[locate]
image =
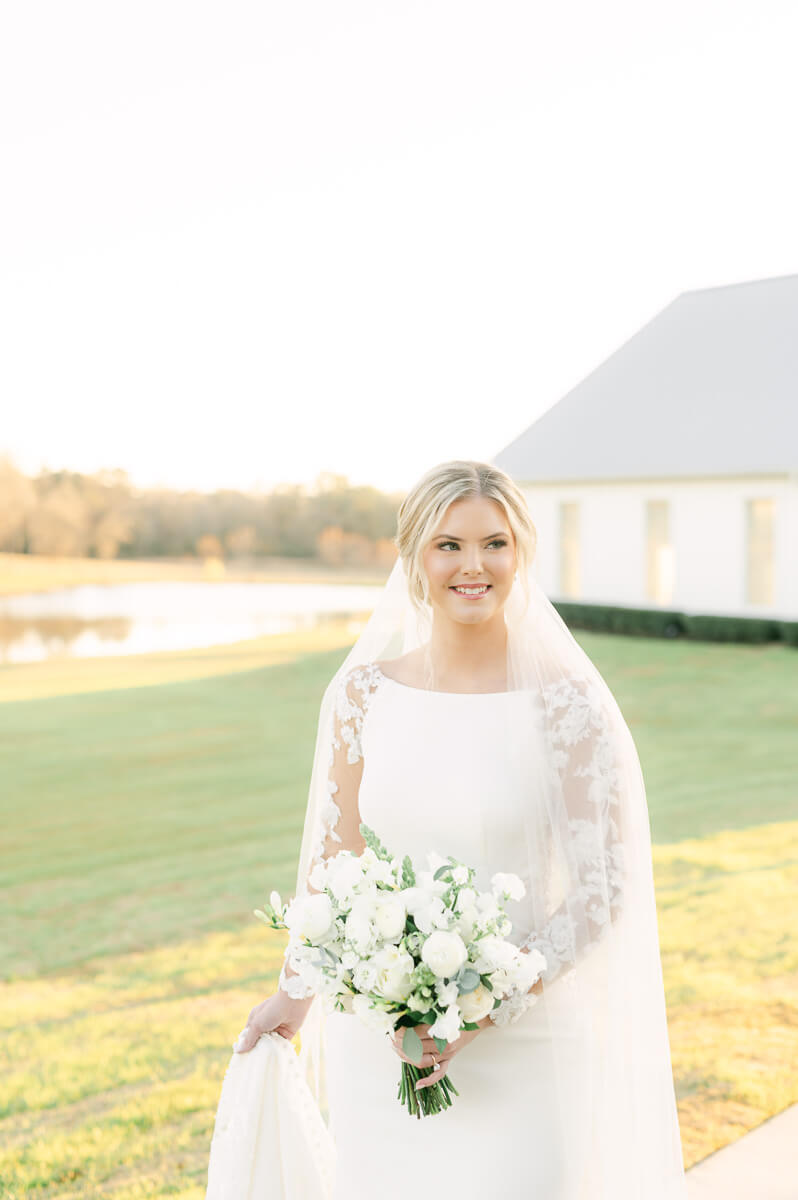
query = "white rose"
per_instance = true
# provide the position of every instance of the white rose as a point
(447, 1025)
(444, 953)
(477, 1004)
(394, 973)
(372, 1018)
(309, 916)
(389, 918)
(505, 883)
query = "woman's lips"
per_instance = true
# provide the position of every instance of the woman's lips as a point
(472, 595)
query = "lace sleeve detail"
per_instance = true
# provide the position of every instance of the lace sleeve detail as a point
(583, 751)
(352, 698)
(339, 819)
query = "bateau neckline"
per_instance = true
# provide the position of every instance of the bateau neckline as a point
(408, 687)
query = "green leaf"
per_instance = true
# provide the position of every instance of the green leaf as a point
(408, 874)
(467, 980)
(441, 1043)
(441, 871)
(470, 1025)
(411, 1046)
(374, 843)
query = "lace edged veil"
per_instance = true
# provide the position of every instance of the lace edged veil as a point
(589, 906)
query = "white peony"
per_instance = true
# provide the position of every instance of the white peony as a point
(504, 883)
(394, 973)
(444, 953)
(309, 916)
(477, 1004)
(390, 917)
(447, 1025)
(372, 1018)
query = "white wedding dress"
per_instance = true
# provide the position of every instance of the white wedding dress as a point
(437, 775)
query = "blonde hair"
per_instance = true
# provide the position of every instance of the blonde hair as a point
(427, 501)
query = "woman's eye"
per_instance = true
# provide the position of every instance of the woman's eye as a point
(495, 542)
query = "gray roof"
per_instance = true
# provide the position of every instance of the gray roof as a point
(709, 387)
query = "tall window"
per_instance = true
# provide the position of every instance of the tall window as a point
(570, 573)
(659, 553)
(759, 519)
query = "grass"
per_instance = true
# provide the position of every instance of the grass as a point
(150, 803)
(44, 573)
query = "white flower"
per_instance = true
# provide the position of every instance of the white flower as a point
(434, 861)
(444, 953)
(464, 925)
(466, 898)
(460, 874)
(446, 993)
(344, 873)
(364, 975)
(390, 917)
(494, 954)
(447, 1025)
(433, 915)
(372, 1018)
(357, 927)
(309, 916)
(394, 973)
(477, 1004)
(276, 902)
(505, 883)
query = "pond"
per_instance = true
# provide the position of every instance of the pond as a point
(135, 618)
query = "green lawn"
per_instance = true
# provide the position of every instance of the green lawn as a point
(148, 806)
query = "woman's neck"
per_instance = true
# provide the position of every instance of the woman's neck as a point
(468, 654)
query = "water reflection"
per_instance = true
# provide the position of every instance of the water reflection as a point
(136, 618)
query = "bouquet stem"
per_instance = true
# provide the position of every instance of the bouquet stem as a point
(425, 1101)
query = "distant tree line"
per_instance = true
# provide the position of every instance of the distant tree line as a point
(103, 515)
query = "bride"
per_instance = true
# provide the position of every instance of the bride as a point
(467, 720)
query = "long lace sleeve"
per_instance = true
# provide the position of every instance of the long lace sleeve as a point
(584, 752)
(339, 824)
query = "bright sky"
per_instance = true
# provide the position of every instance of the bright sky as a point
(244, 243)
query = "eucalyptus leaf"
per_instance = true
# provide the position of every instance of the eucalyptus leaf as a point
(441, 871)
(467, 981)
(411, 1046)
(441, 1043)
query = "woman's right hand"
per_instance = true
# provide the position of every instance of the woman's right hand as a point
(279, 1013)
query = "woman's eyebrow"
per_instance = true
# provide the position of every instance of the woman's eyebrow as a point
(452, 538)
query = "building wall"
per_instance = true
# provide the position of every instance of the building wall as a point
(707, 523)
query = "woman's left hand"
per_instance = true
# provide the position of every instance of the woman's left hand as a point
(432, 1055)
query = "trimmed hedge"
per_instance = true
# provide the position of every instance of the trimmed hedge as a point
(670, 623)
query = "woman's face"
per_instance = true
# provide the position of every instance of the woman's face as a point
(472, 545)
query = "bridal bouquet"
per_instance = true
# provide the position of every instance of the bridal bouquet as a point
(400, 951)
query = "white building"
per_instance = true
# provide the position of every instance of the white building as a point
(669, 476)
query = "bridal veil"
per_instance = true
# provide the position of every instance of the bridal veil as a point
(589, 906)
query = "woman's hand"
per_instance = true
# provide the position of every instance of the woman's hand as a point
(431, 1054)
(279, 1013)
